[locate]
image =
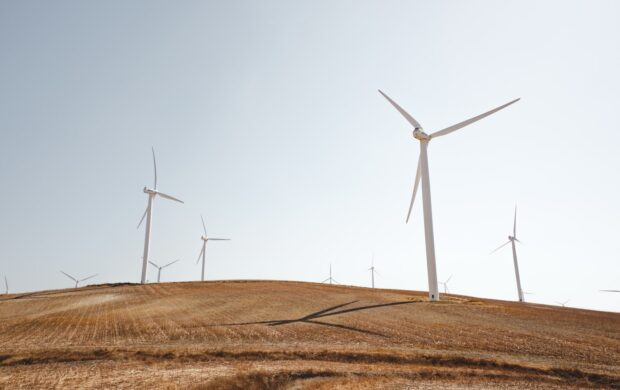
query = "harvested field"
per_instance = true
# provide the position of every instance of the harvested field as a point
(262, 334)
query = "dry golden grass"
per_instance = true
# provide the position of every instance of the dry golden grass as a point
(261, 334)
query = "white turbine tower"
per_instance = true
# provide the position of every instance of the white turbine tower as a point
(511, 240)
(422, 173)
(203, 251)
(77, 281)
(330, 279)
(162, 267)
(148, 213)
(445, 285)
(372, 270)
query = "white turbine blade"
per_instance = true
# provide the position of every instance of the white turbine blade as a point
(500, 247)
(169, 197)
(325, 280)
(143, 216)
(416, 183)
(203, 224)
(219, 239)
(452, 128)
(69, 276)
(200, 255)
(164, 266)
(448, 279)
(90, 277)
(153, 264)
(618, 291)
(514, 227)
(404, 113)
(154, 167)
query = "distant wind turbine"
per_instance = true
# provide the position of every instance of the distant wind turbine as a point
(330, 279)
(76, 280)
(372, 270)
(148, 213)
(445, 285)
(422, 173)
(6, 285)
(563, 304)
(512, 239)
(203, 252)
(162, 267)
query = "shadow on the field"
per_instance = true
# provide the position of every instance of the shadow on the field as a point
(311, 318)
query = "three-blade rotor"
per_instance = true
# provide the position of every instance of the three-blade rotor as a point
(426, 138)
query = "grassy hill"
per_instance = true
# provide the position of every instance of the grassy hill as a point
(264, 334)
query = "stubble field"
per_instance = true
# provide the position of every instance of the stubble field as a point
(263, 334)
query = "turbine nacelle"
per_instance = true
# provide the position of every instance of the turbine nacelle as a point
(204, 238)
(420, 135)
(149, 191)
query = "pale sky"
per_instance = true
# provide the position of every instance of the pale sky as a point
(265, 118)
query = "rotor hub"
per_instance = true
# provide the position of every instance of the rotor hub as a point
(420, 135)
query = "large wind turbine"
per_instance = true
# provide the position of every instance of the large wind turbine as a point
(330, 279)
(422, 174)
(148, 213)
(511, 240)
(162, 267)
(203, 251)
(77, 281)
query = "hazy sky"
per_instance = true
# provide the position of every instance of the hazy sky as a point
(265, 118)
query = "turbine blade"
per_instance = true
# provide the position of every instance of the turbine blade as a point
(169, 197)
(69, 276)
(416, 183)
(448, 279)
(154, 167)
(500, 247)
(153, 264)
(90, 277)
(200, 255)
(218, 239)
(618, 291)
(143, 216)
(164, 266)
(404, 113)
(459, 125)
(514, 228)
(203, 224)
(325, 280)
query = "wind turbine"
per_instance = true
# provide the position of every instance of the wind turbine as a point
(203, 251)
(330, 279)
(6, 285)
(422, 174)
(563, 304)
(445, 285)
(76, 280)
(148, 213)
(511, 240)
(162, 267)
(371, 269)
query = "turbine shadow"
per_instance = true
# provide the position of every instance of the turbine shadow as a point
(312, 318)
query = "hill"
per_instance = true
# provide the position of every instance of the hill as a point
(268, 334)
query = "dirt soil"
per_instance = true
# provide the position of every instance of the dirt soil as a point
(293, 335)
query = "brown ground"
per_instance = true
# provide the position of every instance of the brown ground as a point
(256, 335)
